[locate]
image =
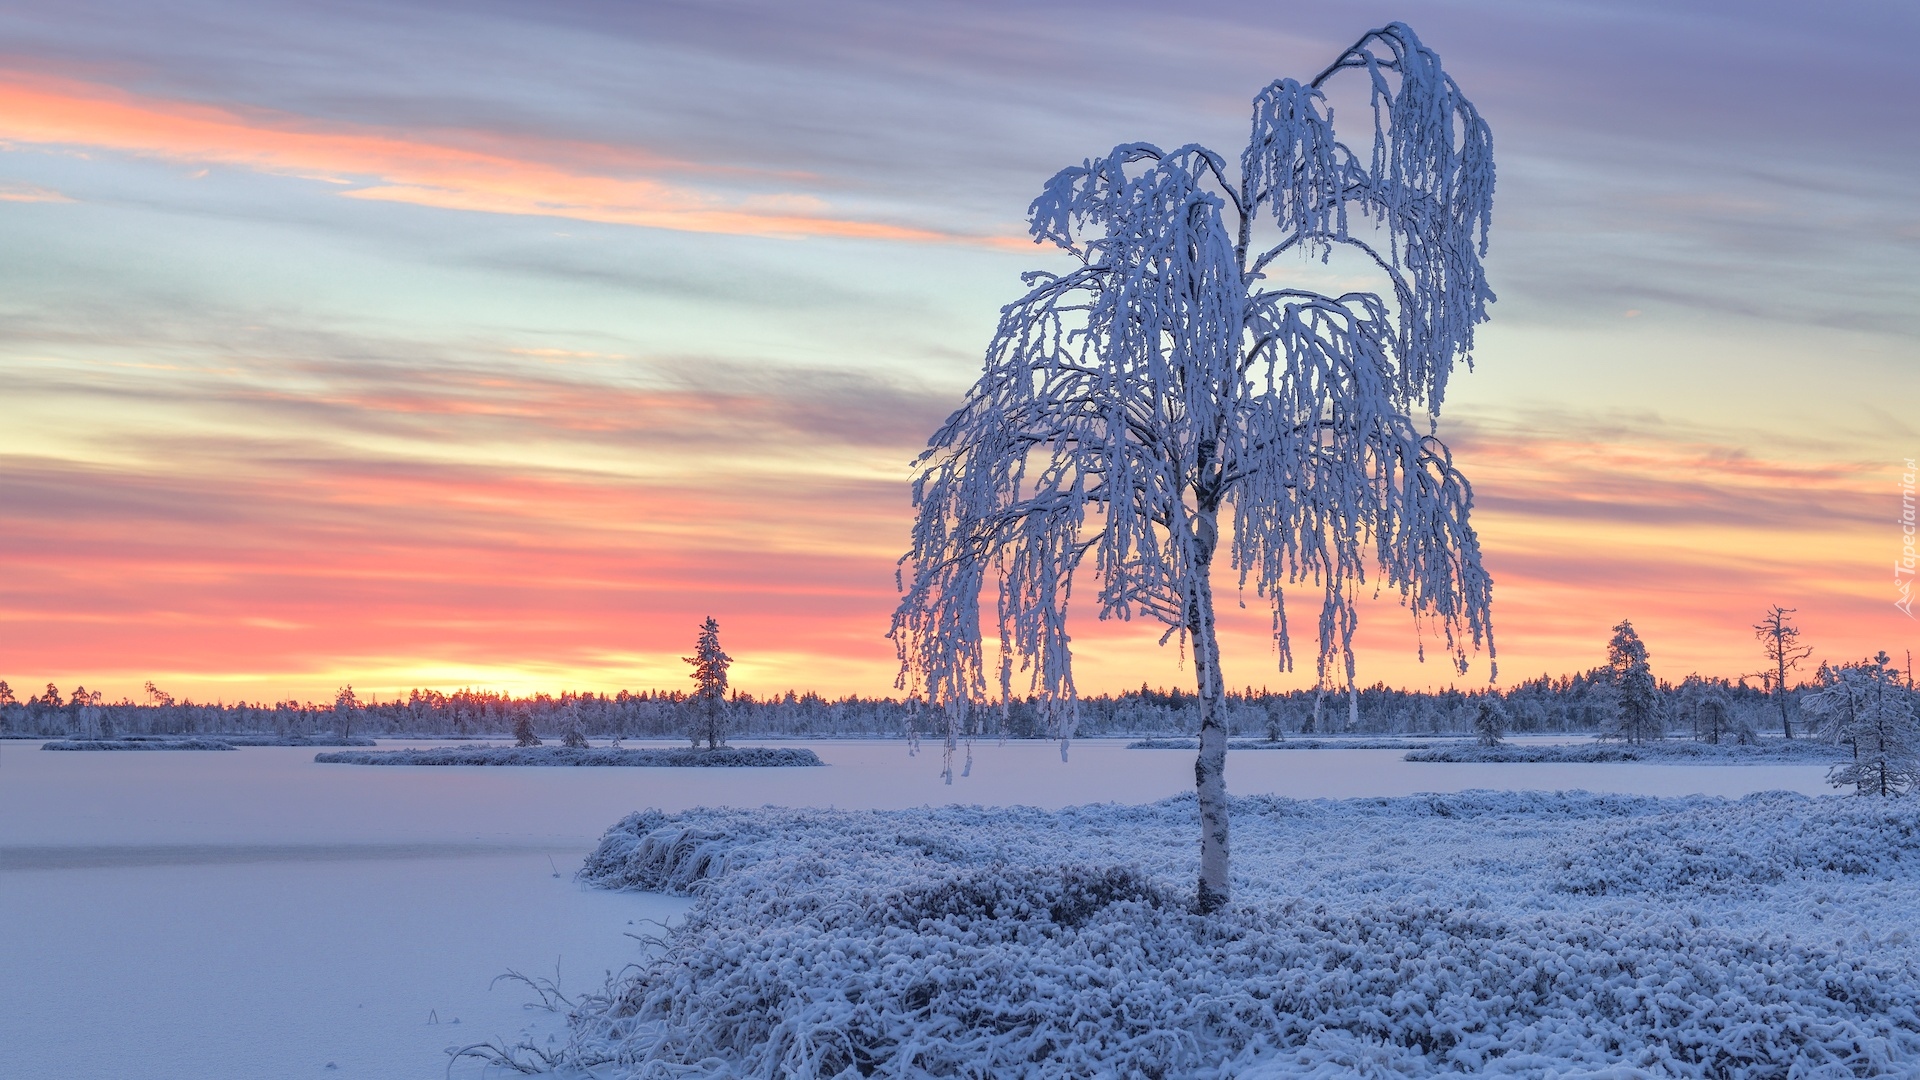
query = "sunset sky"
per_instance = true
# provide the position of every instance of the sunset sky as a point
(496, 345)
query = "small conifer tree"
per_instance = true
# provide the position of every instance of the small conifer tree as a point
(709, 702)
(523, 732)
(1490, 720)
(1635, 696)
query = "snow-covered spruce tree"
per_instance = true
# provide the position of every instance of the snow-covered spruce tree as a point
(709, 702)
(1864, 706)
(1489, 720)
(1636, 705)
(523, 734)
(1163, 396)
(1781, 639)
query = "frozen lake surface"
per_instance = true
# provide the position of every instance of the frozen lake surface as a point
(254, 914)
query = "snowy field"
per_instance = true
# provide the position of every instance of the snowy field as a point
(257, 915)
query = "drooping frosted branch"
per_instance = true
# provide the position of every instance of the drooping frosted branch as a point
(1129, 400)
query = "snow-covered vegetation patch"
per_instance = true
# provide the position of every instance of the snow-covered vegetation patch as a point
(1674, 752)
(1484, 933)
(137, 744)
(318, 739)
(677, 757)
(1291, 744)
(201, 742)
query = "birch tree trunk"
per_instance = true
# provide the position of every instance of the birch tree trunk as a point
(1210, 768)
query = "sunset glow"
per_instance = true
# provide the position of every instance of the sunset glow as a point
(504, 365)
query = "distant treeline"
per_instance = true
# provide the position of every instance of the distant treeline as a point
(1570, 704)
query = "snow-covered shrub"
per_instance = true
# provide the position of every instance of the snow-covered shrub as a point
(1516, 934)
(1708, 847)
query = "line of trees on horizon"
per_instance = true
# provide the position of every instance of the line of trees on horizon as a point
(1584, 703)
(1619, 699)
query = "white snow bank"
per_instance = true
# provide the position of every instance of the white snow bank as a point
(1488, 933)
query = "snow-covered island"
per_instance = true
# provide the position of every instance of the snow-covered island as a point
(1487, 933)
(1763, 752)
(138, 744)
(1294, 744)
(202, 742)
(643, 757)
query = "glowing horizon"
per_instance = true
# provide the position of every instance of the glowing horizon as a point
(499, 351)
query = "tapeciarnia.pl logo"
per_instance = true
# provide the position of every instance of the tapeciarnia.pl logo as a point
(1903, 566)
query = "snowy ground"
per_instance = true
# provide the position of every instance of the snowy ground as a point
(257, 915)
(1486, 933)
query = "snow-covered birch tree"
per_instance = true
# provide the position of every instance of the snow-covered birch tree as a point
(1167, 398)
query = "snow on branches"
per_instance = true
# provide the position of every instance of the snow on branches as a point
(1863, 706)
(1131, 399)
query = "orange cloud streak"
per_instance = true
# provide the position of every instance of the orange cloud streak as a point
(28, 193)
(378, 164)
(269, 567)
